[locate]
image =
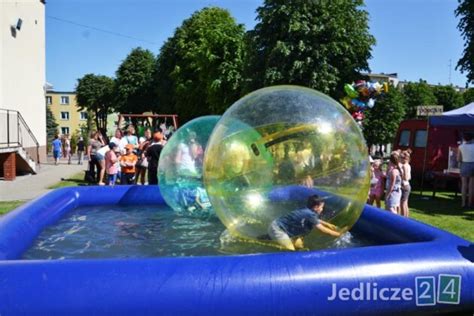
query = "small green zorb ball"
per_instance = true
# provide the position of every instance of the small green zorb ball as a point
(274, 148)
(181, 164)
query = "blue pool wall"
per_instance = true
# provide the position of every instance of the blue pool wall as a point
(278, 283)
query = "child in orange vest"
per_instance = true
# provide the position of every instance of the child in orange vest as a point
(128, 162)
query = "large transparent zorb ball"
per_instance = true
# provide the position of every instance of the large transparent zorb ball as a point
(181, 165)
(277, 146)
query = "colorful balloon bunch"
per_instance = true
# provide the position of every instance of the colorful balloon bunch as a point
(361, 95)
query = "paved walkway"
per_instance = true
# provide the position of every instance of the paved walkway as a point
(32, 186)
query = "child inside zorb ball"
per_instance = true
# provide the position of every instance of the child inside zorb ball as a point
(275, 148)
(181, 164)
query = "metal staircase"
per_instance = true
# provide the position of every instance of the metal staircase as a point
(16, 136)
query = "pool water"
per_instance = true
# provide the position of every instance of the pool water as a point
(142, 232)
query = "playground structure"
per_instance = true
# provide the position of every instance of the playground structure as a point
(152, 120)
(413, 268)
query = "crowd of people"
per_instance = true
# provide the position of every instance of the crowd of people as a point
(393, 183)
(126, 158)
(62, 147)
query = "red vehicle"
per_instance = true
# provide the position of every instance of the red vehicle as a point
(430, 143)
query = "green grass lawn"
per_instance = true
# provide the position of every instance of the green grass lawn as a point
(444, 211)
(6, 207)
(74, 180)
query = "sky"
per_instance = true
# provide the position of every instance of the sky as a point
(418, 39)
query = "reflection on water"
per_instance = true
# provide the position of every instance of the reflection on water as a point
(142, 232)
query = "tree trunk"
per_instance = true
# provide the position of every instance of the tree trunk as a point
(96, 119)
(104, 122)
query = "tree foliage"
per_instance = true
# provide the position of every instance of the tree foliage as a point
(416, 94)
(199, 68)
(164, 85)
(465, 12)
(448, 97)
(468, 96)
(51, 125)
(382, 121)
(95, 94)
(134, 77)
(319, 44)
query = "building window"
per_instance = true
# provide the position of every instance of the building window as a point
(49, 100)
(420, 138)
(83, 115)
(404, 138)
(65, 116)
(64, 99)
(65, 130)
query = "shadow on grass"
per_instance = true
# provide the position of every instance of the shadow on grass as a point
(442, 204)
(77, 179)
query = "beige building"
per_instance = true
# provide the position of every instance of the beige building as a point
(70, 119)
(22, 80)
(63, 105)
(390, 78)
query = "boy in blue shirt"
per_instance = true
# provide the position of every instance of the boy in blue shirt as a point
(56, 149)
(288, 230)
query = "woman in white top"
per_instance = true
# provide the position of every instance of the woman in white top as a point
(406, 177)
(119, 140)
(466, 159)
(101, 158)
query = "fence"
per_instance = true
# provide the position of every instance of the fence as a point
(14, 132)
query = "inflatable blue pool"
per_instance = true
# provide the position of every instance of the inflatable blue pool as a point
(415, 269)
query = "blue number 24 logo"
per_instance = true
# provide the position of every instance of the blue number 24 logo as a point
(449, 290)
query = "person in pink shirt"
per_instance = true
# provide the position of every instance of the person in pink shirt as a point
(111, 165)
(376, 183)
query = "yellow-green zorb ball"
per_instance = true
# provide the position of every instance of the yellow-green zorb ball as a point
(274, 148)
(181, 165)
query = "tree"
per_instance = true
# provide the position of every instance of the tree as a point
(134, 80)
(318, 44)
(448, 97)
(465, 11)
(382, 121)
(164, 85)
(95, 94)
(416, 94)
(51, 125)
(468, 96)
(199, 68)
(86, 128)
